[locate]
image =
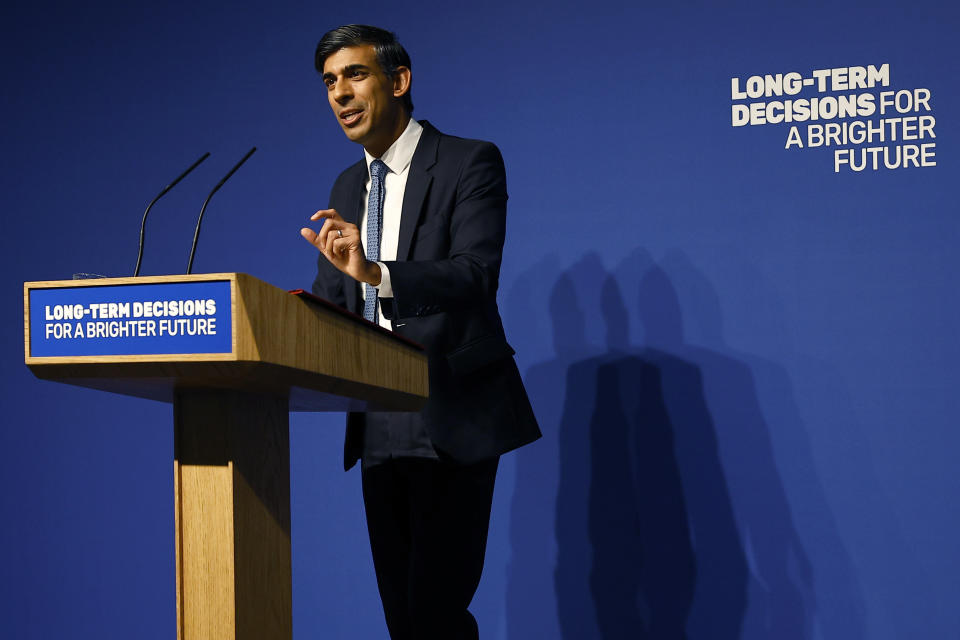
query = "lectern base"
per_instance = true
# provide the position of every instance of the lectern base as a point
(232, 492)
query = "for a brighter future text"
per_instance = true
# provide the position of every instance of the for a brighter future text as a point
(146, 319)
(868, 114)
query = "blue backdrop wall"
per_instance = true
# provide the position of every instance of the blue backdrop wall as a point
(743, 352)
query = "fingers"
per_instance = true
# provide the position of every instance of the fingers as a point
(338, 240)
(318, 240)
(334, 235)
(341, 246)
(314, 238)
(309, 235)
(334, 229)
(330, 214)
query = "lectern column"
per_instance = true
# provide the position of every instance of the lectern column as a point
(232, 492)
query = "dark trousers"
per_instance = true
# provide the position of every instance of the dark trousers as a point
(428, 522)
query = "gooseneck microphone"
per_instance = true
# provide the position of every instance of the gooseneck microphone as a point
(196, 234)
(143, 224)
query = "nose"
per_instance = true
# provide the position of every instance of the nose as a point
(340, 93)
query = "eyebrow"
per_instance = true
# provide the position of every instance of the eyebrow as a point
(347, 69)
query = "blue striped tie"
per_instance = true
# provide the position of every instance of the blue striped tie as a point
(374, 223)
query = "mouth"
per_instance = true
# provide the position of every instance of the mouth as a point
(350, 117)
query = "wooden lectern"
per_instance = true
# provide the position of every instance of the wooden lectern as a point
(234, 355)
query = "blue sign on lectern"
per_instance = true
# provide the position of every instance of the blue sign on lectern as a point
(132, 319)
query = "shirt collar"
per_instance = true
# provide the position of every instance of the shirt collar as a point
(400, 154)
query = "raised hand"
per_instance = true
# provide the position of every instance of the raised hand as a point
(339, 242)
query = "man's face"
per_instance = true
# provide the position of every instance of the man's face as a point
(365, 101)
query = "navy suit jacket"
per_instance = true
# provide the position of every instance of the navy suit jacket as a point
(445, 280)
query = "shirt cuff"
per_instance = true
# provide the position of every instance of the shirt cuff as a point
(384, 289)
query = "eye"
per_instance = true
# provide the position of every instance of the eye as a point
(358, 74)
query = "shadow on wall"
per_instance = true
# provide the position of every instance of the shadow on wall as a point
(671, 519)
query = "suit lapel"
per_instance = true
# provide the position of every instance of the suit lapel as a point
(351, 214)
(418, 184)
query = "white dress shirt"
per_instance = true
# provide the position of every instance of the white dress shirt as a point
(397, 158)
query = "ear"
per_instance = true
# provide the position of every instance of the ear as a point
(401, 82)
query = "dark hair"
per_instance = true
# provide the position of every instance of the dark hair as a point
(390, 53)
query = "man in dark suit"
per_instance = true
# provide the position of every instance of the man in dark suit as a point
(431, 209)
